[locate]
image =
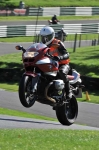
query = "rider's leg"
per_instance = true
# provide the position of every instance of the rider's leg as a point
(63, 71)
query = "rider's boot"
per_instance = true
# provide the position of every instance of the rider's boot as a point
(68, 91)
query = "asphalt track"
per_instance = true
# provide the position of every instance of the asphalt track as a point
(33, 22)
(88, 114)
(10, 122)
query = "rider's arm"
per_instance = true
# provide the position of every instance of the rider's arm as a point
(63, 52)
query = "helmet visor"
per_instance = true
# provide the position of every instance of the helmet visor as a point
(46, 38)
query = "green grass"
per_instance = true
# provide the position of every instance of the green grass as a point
(70, 37)
(86, 60)
(52, 3)
(30, 18)
(5, 111)
(17, 39)
(40, 139)
(9, 86)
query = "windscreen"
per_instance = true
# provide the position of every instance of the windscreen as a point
(36, 47)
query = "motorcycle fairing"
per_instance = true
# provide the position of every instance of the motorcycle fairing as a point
(54, 73)
(44, 61)
(47, 65)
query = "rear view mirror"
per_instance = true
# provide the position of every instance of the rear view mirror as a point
(19, 47)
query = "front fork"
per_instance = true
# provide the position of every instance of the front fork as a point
(35, 78)
(34, 83)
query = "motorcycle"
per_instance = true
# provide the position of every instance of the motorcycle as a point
(41, 82)
(50, 22)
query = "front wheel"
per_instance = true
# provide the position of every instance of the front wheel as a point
(67, 113)
(26, 97)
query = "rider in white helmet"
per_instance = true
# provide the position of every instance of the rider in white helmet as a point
(60, 54)
(47, 35)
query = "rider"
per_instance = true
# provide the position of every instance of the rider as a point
(60, 54)
(54, 19)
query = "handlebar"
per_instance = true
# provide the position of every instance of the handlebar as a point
(49, 55)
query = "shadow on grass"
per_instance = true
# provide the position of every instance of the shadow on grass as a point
(12, 73)
(84, 70)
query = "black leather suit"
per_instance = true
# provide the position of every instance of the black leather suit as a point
(54, 20)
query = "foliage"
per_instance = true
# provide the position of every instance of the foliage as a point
(7, 3)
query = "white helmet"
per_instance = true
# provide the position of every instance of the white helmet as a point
(47, 35)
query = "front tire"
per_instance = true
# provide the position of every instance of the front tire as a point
(26, 97)
(67, 113)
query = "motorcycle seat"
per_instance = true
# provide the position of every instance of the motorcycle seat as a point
(76, 76)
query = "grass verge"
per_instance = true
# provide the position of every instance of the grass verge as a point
(51, 3)
(33, 18)
(5, 111)
(70, 37)
(27, 139)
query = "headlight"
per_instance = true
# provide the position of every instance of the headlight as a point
(30, 54)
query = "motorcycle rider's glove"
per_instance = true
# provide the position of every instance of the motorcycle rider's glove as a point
(57, 58)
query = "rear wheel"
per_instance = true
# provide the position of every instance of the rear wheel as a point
(26, 97)
(67, 113)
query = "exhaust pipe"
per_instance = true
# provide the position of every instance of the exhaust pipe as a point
(46, 91)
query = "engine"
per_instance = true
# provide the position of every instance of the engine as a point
(51, 90)
(54, 90)
(58, 84)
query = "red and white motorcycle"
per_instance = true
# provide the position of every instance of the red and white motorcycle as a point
(41, 82)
